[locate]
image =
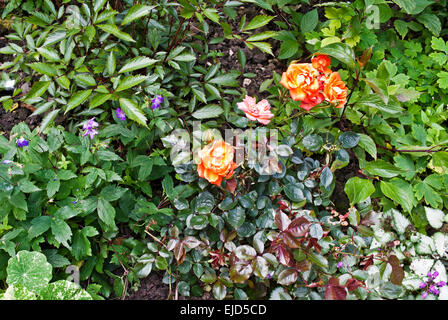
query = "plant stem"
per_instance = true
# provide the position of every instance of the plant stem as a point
(355, 84)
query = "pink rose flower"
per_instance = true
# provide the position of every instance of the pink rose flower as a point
(256, 111)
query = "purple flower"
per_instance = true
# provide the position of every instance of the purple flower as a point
(268, 276)
(430, 285)
(89, 128)
(340, 264)
(22, 142)
(120, 114)
(6, 161)
(74, 201)
(156, 102)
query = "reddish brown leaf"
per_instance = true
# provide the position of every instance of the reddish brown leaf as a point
(397, 275)
(287, 277)
(191, 242)
(179, 252)
(394, 261)
(335, 291)
(282, 221)
(352, 284)
(313, 243)
(299, 227)
(284, 256)
(367, 262)
(333, 281)
(290, 240)
(283, 204)
(303, 265)
(231, 185)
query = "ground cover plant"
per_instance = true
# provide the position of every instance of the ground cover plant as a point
(269, 149)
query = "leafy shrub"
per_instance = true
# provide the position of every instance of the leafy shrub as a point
(347, 205)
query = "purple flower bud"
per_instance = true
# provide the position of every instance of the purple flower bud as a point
(6, 161)
(424, 295)
(422, 285)
(268, 276)
(432, 289)
(429, 274)
(435, 274)
(340, 264)
(22, 142)
(74, 201)
(120, 114)
(441, 283)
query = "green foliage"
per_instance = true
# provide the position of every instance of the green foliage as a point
(349, 204)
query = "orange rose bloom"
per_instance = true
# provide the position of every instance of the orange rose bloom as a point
(301, 80)
(321, 62)
(216, 162)
(335, 90)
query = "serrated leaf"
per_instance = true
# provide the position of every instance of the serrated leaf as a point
(133, 111)
(77, 99)
(137, 63)
(257, 22)
(358, 189)
(210, 111)
(44, 68)
(98, 99)
(309, 21)
(113, 29)
(129, 82)
(137, 11)
(38, 89)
